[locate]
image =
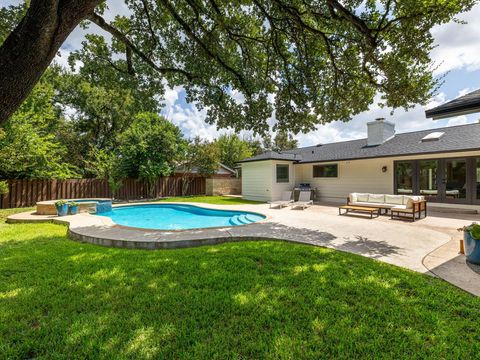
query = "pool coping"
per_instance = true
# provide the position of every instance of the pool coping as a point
(266, 217)
(80, 227)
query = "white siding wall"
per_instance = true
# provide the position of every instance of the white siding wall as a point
(257, 180)
(361, 176)
(278, 188)
(353, 176)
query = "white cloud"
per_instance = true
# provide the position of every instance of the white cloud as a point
(458, 44)
(459, 120)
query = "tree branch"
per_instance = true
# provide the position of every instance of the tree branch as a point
(99, 21)
(191, 34)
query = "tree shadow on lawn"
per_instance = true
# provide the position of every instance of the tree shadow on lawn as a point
(236, 300)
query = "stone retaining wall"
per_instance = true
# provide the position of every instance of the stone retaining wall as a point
(223, 186)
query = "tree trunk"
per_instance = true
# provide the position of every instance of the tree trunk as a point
(32, 45)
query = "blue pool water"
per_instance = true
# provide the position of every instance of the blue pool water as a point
(178, 217)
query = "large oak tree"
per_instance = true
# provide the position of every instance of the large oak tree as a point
(306, 61)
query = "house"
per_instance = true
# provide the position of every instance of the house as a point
(222, 171)
(442, 164)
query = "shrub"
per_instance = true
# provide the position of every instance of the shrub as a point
(3, 188)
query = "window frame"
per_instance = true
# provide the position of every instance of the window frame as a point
(323, 176)
(284, 180)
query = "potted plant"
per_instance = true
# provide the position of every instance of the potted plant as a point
(471, 242)
(73, 208)
(62, 207)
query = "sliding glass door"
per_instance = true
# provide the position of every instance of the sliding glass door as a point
(427, 179)
(455, 180)
(477, 180)
(404, 172)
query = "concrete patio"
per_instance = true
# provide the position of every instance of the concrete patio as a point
(429, 245)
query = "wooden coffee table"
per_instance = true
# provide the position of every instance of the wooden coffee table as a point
(358, 209)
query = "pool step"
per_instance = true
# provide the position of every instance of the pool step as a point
(241, 220)
(251, 218)
(234, 221)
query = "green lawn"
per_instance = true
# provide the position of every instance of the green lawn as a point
(217, 200)
(252, 300)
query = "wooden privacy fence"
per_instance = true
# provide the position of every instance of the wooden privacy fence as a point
(27, 192)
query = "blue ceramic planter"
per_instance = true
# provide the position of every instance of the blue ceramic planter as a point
(472, 248)
(73, 210)
(62, 210)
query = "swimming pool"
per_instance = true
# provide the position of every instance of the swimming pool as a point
(178, 217)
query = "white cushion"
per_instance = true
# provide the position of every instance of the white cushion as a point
(376, 198)
(399, 207)
(408, 200)
(371, 204)
(394, 199)
(362, 197)
(352, 197)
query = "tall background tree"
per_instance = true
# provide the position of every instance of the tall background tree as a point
(282, 141)
(310, 61)
(232, 149)
(199, 157)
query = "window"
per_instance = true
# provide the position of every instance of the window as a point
(320, 171)
(282, 173)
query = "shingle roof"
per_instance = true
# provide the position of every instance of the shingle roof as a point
(466, 104)
(273, 155)
(456, 138)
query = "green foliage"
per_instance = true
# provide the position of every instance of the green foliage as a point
(3, 188)
(106, 165)
(200, 156)
(233, 149)
(306, 62)
(151, 171)
(28, 146)
(255, 145)
(10, 16)
(249, 300)
(207, 156)
(150, 147)
(282, 141)
(475, 231)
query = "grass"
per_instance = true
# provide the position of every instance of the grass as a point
(252, 300)
(217, 200)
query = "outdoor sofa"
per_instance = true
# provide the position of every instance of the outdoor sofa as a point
(400, 206)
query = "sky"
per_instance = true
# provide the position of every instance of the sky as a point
(457, 56)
